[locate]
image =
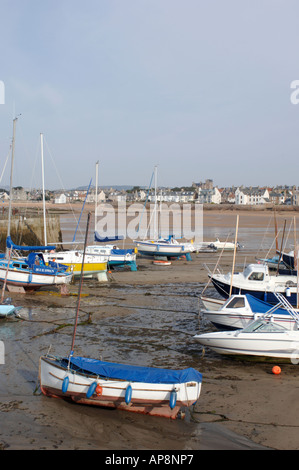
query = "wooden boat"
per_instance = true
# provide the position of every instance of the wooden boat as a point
(153, 391)
(159, 392)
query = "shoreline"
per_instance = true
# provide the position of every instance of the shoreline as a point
(242, 404)
(77, 207)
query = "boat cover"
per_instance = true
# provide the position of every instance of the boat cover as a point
(10, 244)
(120, 251)
(259, 306)
(135, 373)
(98, 238)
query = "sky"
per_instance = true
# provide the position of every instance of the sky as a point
(202, 89)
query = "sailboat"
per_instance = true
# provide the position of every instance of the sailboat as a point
(159, 247)
(117, 257)
(95, 264)
(21, 273)
(153, 391)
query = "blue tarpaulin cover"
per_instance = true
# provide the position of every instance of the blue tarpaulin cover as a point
(120, 251)
(259, 306)
(136, 373)
(10, 244)
(98, 238)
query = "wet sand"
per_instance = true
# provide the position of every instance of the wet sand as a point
(148, 317)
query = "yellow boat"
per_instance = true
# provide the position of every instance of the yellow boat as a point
(94, 265)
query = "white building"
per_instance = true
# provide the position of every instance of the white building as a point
(209, 196)
(251, 196)
(61, 199)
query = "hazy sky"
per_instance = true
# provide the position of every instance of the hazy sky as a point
(200, 88)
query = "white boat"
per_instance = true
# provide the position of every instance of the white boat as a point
(163, 247)
(257, 280)
(153, 391)
(218, 245)
(262, 338)
(211, 303)
(116, 257)
(158, 246)
(31, 272)
(95, 265)
(239, 310)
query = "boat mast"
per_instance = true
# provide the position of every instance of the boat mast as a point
(43, 181)
(80, 288)
(235, 248)
(155, 208)
(11, 173)
(96, 198)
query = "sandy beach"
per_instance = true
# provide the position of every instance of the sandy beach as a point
(147, 317)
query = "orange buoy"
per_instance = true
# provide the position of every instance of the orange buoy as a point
(99, 390)
(276, 370)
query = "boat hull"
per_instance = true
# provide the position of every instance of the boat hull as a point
(29, 280)
(152, 399)
(164, 249)
(93, 264)
(235, 321)
(223, 288)
(270, 346)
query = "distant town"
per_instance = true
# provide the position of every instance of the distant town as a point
(201, 193)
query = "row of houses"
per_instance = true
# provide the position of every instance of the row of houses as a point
(238, 196)
(202, 193)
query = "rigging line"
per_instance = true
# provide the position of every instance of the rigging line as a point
(82, 211)
(7, 157)
(264, 236)
(58, 175)
(275, 239)
(149, 187)
(32, 177)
